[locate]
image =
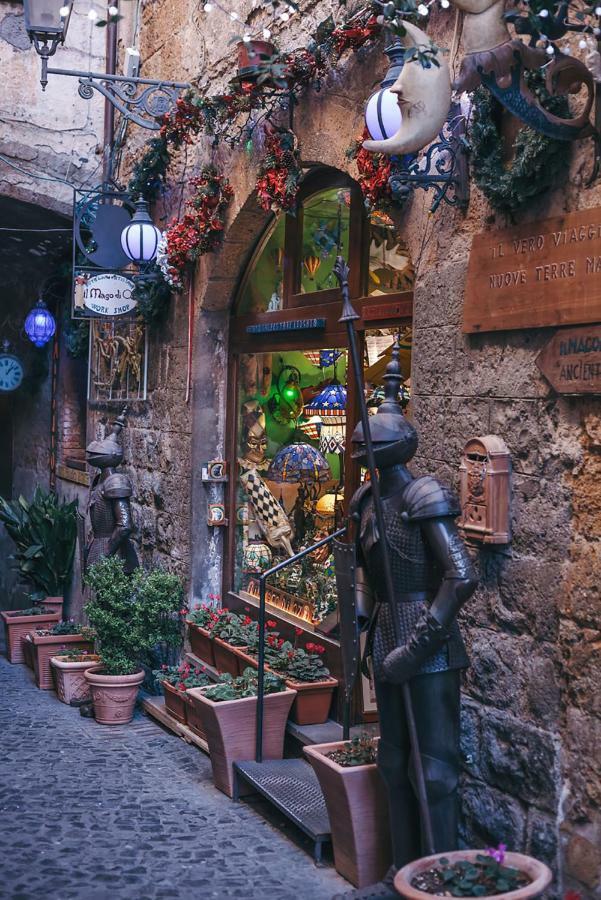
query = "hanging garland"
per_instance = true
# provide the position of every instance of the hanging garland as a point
(540, 163)
(374, 173)
(200, 230)
(280, 172)
(152, 295)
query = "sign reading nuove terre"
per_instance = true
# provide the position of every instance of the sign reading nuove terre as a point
(536, 274)
(571, 361)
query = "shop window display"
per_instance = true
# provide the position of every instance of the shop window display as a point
(325, 235)
(390, 266)
(262, 291)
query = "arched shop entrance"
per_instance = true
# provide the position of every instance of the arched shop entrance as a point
(294, 405)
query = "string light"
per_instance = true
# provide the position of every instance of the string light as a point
(266, 33)
(64, 12)
(208, 7)
(113, 11)
(92, 15)
(422, 9)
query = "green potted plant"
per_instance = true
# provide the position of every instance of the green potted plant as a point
(228, 632)
(357, 807)
(200, 621)
(132, 615)
(17, 625)
(44, 532)
(305, 672)
(228, 711)
(68, 668)
(175, 681)
(47, 642)
(474, 873)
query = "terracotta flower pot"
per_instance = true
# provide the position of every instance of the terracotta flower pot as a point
(253, 53)
(53, 603)
(358, 810)
(540, 874)
(69, 678)
(27, 650)
(194, 717)
(245, 659)
(226, 657)
(47, 646)
(313, 700)
(113, 696)
(231, 731)
(201, 643)
(16, 627)
(175, 702)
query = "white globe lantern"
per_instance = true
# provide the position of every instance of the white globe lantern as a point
(383, 113)
(140, 239)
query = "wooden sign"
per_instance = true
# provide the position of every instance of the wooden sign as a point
(571, 361)
(537, 274)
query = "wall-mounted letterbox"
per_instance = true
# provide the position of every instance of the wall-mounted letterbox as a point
(485, 473)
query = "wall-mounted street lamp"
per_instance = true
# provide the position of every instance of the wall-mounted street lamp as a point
(47, 22)
(140, 239)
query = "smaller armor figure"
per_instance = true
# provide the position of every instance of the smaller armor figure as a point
(109, 502)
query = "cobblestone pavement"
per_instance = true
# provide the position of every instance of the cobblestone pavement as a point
(107, 813)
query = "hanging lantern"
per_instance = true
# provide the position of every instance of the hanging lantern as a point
(331, 401)
(383, 113)
(299, 463)
(256, 558)
(286, 404)
(140, 239)
(40, 324)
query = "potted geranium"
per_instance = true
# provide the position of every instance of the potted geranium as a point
(474, 873)
(305, 672)
(44, 532)
(68, 668)
(18, 623)
(175, 681)
(357, 807)
(132, 615)
(228, 711)
(228, 632)
(200, 621)
(46, 643)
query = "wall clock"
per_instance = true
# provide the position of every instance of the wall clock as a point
(11, 370)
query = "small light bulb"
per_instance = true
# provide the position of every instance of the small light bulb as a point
(550, 50)
(422, 9)
(544, 13)
(291, 10)
(208, 7)
(598, 10)
(92, 15)
(445, 4)
(582, 44)
(266, 33)
(284, 16)
(113, 11)
(246, 38)
(233, 16)
(64, 12)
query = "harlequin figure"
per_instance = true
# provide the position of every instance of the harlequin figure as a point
(109, 502)
(432, 578)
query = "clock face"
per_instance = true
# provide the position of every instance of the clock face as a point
(11, 372)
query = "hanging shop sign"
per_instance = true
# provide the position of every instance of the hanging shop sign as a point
(571, 361)
(535, 275)
(106, 294)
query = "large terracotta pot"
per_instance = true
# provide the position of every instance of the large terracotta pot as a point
(27, 650)
(175, 702)
(540, 874)
(47, 646)
(53, 603)
(194, 717)
(113, 696)
(313, 700)
(69, 678)
(231, 731)
(201, 643)
(16, 627)
(358, 810)
(226, 657)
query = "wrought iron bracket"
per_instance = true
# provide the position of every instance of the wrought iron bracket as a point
(141, 100)
(443, 168)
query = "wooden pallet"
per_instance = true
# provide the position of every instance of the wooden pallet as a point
(155, 707)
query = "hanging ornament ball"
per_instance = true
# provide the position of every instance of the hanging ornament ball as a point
(40, 324)
(140, 239)
(382, 114)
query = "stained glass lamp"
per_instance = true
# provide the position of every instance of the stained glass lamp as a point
(331, 401)
(311, 427)
(257, 558)
(40, 324)
(299, 464)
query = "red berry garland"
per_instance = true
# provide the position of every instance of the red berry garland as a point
(374, 172)
(280, 173)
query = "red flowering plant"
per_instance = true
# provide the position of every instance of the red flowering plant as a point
(374, 172)
(206, 614)
(230, 627)
(183, 676)
(280, 172)
(297, 663)
(200, 230)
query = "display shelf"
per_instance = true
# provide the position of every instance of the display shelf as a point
(155, 707)
(292, 787)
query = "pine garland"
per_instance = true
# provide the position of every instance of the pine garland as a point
(152, 295)
(280, 173)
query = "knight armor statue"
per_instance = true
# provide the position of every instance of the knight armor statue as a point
(109, 505)
(432, 578)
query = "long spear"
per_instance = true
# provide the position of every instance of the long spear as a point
(341, 270)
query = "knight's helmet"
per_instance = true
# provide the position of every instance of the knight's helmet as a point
(394, 438)
(108, 452)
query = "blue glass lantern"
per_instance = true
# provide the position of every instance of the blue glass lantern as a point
(299, 463)
(40, 324)
(330, 401)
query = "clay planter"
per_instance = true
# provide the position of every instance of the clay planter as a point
(231, 731)
(194, 717)
(47, 646)
(175, 702)
(253, 53)
(313, 701)
(113, 696)
(201, 643)
(16, 627)
(358, 810)
(69, 678)
(53, 603)
(540, 874)
(27, 650)
(226, 658)
(245, 660)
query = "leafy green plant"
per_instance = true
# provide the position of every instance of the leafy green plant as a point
(486, 876)
(31, 611)
(228, 626)
(183, 676)
(359, 751)
(44, 532)
(75, 654)
(245, 685)
(297, 663)
(133, 614)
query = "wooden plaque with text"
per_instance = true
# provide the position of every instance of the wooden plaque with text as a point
(535, 275)
(571, 361)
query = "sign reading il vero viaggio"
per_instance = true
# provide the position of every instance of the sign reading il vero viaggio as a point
(536, 274)
(105, 294)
